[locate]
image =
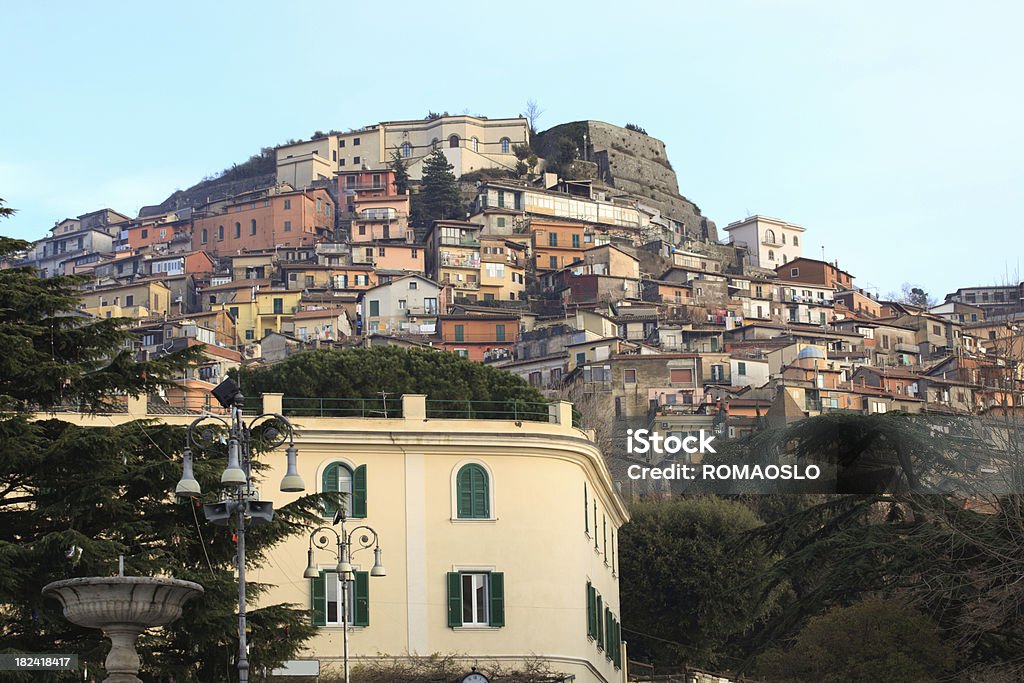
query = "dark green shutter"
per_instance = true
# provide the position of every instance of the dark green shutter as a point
(330, 485)
(473, 493)
(359, 492)
(318, 597)
(454, 599)
(591, 601)
(586, 511)
(609, 631)
(600, 627)
(362, 597)
(497, 598)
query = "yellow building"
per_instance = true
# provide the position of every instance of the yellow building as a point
(139, 299)
(260, 310)
(470, 143)
(499, 537)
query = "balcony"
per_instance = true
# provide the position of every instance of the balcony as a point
(460, 260)
(907, 348)
(413, 311)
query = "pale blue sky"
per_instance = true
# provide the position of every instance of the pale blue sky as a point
(891, 131)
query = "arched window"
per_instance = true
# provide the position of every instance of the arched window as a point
(252, 227)
(769, 236)
(506, 145)
(406, 150)
(434, 143)
(474, 144)
(206, 236)
(783, 238)
(453, 141)
(238, 229)
(220, 233)
(771, 255)
(472, 491)
(796, 241)
(339, 477)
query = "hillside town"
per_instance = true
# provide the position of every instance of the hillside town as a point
(568, 257)
(586, 286)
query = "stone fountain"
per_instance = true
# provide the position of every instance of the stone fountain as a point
(122, 607)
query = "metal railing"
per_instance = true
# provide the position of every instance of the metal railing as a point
(342, 407)
(197, 404)
(529, 411)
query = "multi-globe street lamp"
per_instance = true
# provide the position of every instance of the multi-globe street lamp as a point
(270, 430)
(347, 542)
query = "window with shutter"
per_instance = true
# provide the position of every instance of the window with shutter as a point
(591, 611)
(476, 599)
(472, 493)
(600, 626)
(338, 477)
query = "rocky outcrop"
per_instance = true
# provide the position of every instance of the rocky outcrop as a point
(630, 161)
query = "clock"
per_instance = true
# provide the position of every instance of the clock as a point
(475, 678)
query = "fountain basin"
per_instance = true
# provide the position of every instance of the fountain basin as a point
(122, 607)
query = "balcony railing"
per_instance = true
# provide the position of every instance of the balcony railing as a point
(342, 407)
(529, 411)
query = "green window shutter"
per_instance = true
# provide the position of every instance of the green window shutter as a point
(497, 599)
(590, 610)
(586, 513)
(362, 598)
(599, 636)
(359, 492)
(609, 631)
(454, 599)
(330, 485)
(472, 493)
(318, 597)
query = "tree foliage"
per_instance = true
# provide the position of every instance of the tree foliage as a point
(401, 170)
(874, 640)
(72, 498)
(439, 196)
(364, 373)
(689, 580)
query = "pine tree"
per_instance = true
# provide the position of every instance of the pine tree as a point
(401, 169)
(73, 498)
(439, 196)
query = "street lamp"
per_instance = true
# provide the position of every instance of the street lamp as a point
(344, 542)
(269, 430)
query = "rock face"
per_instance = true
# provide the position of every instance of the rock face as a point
(630, 161)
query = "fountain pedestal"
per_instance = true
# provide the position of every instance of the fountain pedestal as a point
(122, 607)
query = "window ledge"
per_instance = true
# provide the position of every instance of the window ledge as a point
(466, 520)
(476, 627)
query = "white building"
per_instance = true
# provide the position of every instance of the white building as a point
(769, 242)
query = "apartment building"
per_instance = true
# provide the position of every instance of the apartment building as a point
(769, 242)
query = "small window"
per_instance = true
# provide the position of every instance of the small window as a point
(238, 230)
(406, 150)
(796, 241)
(501, 221)
(205, 236)
(629, 376)
(506, 145)
(681, 375)
(220, 233)
(794, 272)
(460, 333)
(472, 491)
(453, 141)
(356, 160)
(741, 368)
(287, 226)
(771, 255)
(476, 599)
(474, 144)
(374, 307)
(252, 227)
(145, 234)
(355, 142)
(287, 204)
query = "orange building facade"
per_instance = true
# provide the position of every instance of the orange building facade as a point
(264, 220)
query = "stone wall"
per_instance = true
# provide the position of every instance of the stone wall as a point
(634, 163)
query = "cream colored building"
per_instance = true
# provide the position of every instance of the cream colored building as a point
(499, 537)
(470, 143)
(769, 241)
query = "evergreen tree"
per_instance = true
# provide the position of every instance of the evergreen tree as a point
(439, 196)
(72, 498)
(401, 169)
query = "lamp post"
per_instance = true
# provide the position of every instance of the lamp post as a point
(270, 430)
(344, 541)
